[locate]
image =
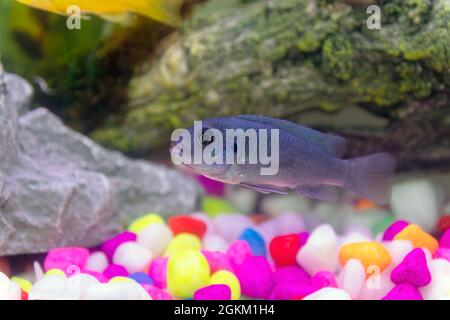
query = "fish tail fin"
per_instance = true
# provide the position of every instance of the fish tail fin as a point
(165, 11)
(371, 176)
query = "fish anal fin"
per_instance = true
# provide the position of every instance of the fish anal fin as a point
(319, 192)
(264, 188)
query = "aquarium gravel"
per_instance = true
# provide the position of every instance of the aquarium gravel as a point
(234, 256)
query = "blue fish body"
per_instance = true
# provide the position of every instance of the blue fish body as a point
(310, 162)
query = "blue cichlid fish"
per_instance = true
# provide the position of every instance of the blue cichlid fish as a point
(165, 11)
(310, 162)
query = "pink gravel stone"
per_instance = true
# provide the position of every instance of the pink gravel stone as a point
(110, 246)
(255, 276)
(217, 260)
(403, 291)
(323, 279)
(100, 277)
(114, 270)
(393, 229)
(156, 293)
(238, 251)
(303, 238)
(442, 253)
(66, 258)
(444, 242)
(290, 291)
(413, 269)
(291, 274)
(158, 272)
(213, 292)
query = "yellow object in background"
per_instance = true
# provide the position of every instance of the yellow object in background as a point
(183, 242)
(120, 279)
(229, 279)
(165, 11)
(143, 222)
(187, 271)
(55, 272)
(24, 284)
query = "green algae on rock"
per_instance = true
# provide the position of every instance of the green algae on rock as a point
(282, 58)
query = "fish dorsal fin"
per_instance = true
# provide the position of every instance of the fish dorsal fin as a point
(333, 144)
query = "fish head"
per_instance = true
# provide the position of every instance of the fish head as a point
(203, 150)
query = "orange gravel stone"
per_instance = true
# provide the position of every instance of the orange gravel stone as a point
(365, 204)
(418, 237)
(369, 253)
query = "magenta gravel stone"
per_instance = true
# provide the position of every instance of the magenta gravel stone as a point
(110, 246)
(403, 291)
(213, 292)
(393, 229)
(413, 269)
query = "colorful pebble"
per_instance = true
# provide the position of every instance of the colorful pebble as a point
(187, 271)
(368, 253)
(418, 237)
(283, 249)
(225, 257)
(255, 241)
(145, 221)
(110, 246)
(413, 270)
(393, 229)
(64, 258)
(213, 292)
(255, 277)
(182, 242)
(229, 279)
(187, 224)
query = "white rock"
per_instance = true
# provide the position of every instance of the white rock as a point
(116, 291)
(352, 278)
(132, 256)
(97, 262)
(398, 249)
(418, 201)
(320, 251)
(439, 287)
(155, 238)
(81, 283)
(376, 286)
(329, 294)
(9, 290)
(230, 226)
(53, 287)
(214, 243)
(289, 222)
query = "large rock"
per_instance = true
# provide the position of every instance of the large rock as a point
(58, 188)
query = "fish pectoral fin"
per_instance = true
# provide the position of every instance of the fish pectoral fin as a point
(319, 192)
(264, 188)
